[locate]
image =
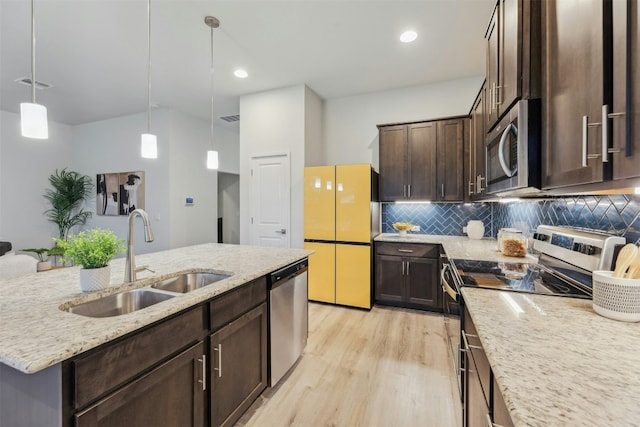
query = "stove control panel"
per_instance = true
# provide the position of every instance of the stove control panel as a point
(590, 250)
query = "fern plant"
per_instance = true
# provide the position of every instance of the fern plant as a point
(69, 191)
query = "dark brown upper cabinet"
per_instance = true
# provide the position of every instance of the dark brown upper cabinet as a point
(476, 174)
(409, 168)
(625, 114)
(591, 106)
(513, 57)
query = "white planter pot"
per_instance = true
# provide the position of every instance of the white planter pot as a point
(43, 266)
(95, 279)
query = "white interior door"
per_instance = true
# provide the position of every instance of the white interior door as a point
(270, 200)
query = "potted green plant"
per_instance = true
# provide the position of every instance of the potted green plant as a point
(93, 250)
(43, 258)
(70, 189)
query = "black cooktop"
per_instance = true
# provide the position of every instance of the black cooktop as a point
(522, 277)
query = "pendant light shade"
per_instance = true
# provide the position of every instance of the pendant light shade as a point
(149, 142)
(212, 155)
(212, 159)
(33, 116)
(33, 120)
(149, 146)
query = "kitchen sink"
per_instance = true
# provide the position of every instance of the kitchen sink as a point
(189, 281)
(120, 303)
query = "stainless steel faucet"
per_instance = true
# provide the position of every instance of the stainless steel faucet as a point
(130, 267)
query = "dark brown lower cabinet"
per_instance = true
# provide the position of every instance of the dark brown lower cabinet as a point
(172, 394)
(239, 366)
(483, 403)
(407, 275)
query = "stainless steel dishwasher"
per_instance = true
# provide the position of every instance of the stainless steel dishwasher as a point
(288, 318)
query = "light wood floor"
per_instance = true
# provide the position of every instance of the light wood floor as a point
(384, 368)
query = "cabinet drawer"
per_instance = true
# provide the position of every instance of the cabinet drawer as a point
(411, 249)
(236, 302)
(113, 365)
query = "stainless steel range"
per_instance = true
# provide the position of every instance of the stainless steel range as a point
(567, 259)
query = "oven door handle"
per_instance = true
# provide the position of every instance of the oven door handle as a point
(503, 140)
(446, 287)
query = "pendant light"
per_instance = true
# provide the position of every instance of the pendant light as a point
(212, 155)
(149, 142)
(33, 116)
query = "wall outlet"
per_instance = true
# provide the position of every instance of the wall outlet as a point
(415, 228)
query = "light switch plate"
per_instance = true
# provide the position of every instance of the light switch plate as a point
(415, 228)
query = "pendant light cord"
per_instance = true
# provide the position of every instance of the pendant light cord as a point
(212, 88)
(33, 54)
(148, 66)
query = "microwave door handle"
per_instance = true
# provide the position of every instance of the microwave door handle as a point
(503, 140)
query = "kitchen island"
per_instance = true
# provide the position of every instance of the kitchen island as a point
(555, 361)
(155, 365)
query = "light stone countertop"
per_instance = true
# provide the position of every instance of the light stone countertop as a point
(556, 361)
(35, 333)
(459, 247)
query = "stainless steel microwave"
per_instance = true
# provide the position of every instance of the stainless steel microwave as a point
(513, 151)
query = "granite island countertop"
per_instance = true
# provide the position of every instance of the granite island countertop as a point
(458, 247)
(35, 333)
(557, 362)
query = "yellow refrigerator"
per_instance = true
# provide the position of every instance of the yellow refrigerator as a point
(341, 217)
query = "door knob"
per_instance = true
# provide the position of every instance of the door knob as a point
(283, 231)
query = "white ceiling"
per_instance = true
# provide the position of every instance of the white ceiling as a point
(93, 52)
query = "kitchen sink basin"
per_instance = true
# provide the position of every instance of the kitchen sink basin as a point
(189, 281)
(120, 303)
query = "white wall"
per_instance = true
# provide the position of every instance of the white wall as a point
(313, 147)
(113, 145)
(273, 121)
(25, 167)
(227, 143)
(350, 133)
(189, 177)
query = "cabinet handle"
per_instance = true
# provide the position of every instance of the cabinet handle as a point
(497, 95)
(489, 422)
(219, 368)
(442, 190)
(605, 133)
(466, 341)
(408, 191)
(584, 140)
(408, 264)
(469, 187)
(408, 251)
(479, 187)
(585, 131)
(203, 381)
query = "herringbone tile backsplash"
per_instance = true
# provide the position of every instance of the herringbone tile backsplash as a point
(616, 214)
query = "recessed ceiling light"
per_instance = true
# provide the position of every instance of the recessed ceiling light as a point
(241, 74)
(408, 36)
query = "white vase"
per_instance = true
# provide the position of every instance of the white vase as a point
(95, 279)
(474, 229)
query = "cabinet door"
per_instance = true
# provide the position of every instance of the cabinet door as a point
(170, 395)
(501, 415)
(491, 113)
(319, 203)
(389, 278)
(477, 412)
(353, 275)
(450, 160)
(573, 91)
(393, 160)
(510, 64)
(626, 128)
(477, 173)
(322, 273)
(423, 288)
(421, 167)
(239, 360)
(353, 203)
